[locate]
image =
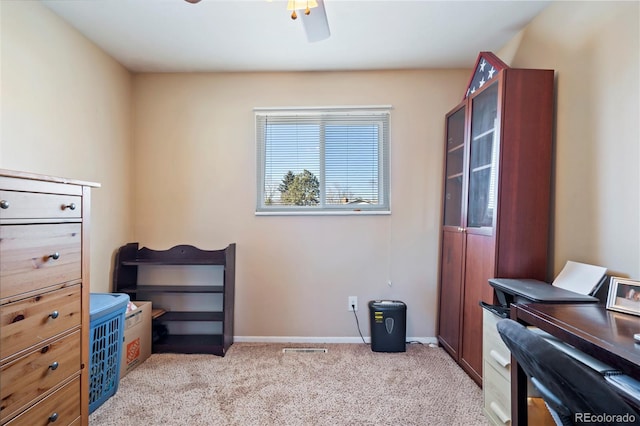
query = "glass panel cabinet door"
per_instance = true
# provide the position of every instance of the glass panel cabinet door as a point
(483, 156)
(454, 169)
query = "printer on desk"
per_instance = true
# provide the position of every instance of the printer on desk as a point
(576, 283)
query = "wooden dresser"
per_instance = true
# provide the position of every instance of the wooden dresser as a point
(44, 299)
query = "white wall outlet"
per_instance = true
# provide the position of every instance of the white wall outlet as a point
(352, 303)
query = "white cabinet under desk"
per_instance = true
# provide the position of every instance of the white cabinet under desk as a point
(496, 387)
(496, 364)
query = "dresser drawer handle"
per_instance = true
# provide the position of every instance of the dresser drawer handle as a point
(54, 366)
(53, 418)
(17, 318)
(71, 206)
(54, 256)
(504, 417)
(500, 359)
(54, 314)
(4, 204)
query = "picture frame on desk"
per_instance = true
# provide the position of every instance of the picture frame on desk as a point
(624, 296)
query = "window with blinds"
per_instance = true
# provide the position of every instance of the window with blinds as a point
(323, 160)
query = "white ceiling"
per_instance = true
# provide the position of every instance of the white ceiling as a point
(258, 35)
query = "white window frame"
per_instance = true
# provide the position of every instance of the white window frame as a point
(378, 114)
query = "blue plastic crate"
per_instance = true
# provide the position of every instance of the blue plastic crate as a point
(106, 334)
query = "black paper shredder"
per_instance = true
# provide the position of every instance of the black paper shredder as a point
(388, 320)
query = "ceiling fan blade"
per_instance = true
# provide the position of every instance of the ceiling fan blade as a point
(315, 24)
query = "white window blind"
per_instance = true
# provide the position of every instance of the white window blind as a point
(323, 160)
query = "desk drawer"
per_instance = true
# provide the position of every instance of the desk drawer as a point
(37, 256)
(26, 379)
(499, 360)
(33, 320)
(61, 407)
(494, 351)
(497, 396)
(33, 205)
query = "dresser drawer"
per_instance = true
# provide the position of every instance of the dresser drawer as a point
(36, 256)
(61, 407)
(33, 320)
(26, 379)
(33, 205)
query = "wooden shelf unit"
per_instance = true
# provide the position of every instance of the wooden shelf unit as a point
(130, 258)
(497, 194)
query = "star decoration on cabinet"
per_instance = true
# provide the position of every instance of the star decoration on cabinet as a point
(487, 67)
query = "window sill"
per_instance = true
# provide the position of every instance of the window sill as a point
(324, 213)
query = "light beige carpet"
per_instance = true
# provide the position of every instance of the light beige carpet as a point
(258, 384)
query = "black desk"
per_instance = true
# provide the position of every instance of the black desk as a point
(591, 328)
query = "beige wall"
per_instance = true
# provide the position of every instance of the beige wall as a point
(594, 48)
(195, 168)
(65, 111)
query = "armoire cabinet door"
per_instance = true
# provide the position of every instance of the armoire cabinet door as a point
(452, 248)
(479, 223)
(451, 292)
(479, 267)
(483, 159)
(454, 169)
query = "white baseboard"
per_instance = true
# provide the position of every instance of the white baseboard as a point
(302, 339)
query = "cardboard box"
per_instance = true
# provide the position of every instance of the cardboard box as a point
(137, 337)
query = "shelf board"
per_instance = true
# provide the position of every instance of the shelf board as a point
(190, 262)
(192, 316)
(190, 344)
(157, 312)
(173, 289)
(455, 148)
(480, 168)
(483, 134)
